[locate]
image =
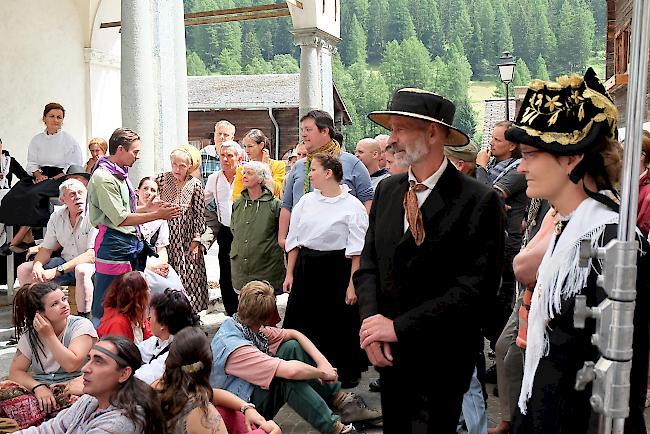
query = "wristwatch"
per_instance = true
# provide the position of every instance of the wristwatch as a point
(60, 269)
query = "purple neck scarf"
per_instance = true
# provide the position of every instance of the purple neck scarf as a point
(122, 174)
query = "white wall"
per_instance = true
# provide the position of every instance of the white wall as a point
(42, 61)
(52, 52)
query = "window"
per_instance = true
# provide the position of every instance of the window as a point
(622, 50)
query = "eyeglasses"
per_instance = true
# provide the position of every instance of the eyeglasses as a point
(526, 155)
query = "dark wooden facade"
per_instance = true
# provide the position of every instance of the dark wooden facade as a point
(202, 123)
(619, 17)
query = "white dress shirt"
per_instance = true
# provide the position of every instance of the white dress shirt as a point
(218, 188)
(430, 182)
(328, 223)
(152, 370)
(55, 150)
(74, 240)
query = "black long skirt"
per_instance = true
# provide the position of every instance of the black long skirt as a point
(317, 308)
(28, 204)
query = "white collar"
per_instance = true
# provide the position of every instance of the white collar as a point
(432, 180)
(211, 150)
(345, 189)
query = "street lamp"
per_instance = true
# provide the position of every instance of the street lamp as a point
(506, 71)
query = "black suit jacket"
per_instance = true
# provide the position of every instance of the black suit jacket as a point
(436, 292)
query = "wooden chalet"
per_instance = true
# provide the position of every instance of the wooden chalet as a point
(619, 19)
(268, 102)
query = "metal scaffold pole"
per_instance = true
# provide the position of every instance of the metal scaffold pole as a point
(615, 315)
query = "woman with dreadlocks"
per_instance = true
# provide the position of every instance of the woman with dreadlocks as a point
(52, 348)
(570, 156)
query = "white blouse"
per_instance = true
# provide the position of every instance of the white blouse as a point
(150, 228)
(56, 150)
(152, 370)
(218, 188)
(328, 223)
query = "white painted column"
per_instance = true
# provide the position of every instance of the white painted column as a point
(180, 61)
(316, 50)
(309, 90)
(138, 81)
(326, 50)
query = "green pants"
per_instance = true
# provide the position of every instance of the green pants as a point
(308, 398)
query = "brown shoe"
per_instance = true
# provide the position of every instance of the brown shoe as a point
(502, 428)
(354, 409)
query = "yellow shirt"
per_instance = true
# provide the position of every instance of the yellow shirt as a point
(277, 172)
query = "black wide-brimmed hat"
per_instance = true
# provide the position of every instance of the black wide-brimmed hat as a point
(76, 170)
(565, 117)
(424, 105)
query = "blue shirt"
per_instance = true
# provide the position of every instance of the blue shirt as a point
(355, 175)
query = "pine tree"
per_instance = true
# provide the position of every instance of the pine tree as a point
(378, 17)
(355, 49)
(426, 20)
(522, 75)
(195, 65)
(465, 118)
(566, 34)
(400, 26)
(391, 66)
(455, 81)
(258, 66)
(584, 34)
(250, 49)
(541, 72)
(228, 63)
(284, 64)
(416, 64)
(486, 15)
(504, 35)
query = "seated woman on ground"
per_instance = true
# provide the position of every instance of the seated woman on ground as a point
(169, 313)
(52, 348)
(187, 399)
(114, 401)
(159, 274)
(125, 305)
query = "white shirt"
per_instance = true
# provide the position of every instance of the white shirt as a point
(150, 228)
(210, 150)
(56, 150)
(328, 223)
(218, 188)
(74, 240)
(430, 182)
(152, 370)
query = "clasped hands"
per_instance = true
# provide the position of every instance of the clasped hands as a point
(376, 334)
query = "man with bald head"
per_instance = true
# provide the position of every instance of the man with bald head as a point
(368, 151)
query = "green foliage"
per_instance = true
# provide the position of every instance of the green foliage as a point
(251, 49)
(285, 64)
(541, 72)
(437, 45)
(228, 63)
(258, 66)
(522, 75)
(195, 65)
(355, 50)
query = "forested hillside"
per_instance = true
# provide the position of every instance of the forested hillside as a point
(439, 45)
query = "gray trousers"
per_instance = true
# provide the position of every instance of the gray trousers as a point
(212, 227)
(510, 365)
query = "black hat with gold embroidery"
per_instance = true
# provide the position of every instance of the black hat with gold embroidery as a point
(565, 117)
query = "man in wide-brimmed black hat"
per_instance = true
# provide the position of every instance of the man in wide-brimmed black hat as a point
(432, 258)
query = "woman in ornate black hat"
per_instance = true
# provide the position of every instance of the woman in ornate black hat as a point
(567, 132)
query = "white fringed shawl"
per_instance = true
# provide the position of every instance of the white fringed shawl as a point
(558, 279)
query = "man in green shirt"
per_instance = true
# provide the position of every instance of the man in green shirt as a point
(112, 203)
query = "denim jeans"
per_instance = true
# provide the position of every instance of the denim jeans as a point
(474, 408)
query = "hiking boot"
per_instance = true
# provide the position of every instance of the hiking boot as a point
(354, 409)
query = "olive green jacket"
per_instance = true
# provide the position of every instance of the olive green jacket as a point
(255, 253)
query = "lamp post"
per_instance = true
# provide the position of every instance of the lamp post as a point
(506, 71)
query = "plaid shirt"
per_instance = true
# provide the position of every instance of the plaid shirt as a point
(209, 165)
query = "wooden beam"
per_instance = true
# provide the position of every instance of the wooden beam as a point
(260, 12)
(227, 19)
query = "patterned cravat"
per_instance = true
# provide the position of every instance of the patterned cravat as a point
(413, 214)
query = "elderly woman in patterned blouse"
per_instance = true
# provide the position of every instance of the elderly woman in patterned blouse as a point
(185, 250)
